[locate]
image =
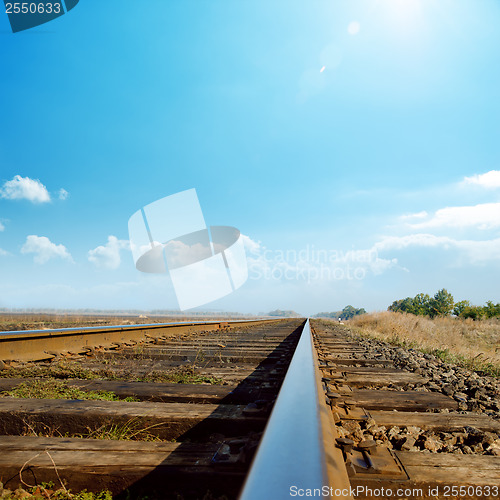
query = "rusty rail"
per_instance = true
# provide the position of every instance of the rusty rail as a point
(34, 345)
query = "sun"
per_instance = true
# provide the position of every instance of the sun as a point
(353, 28)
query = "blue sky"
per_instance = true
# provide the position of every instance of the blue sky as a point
(366, 130)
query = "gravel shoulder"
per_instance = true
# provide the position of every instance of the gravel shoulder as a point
(474, 393)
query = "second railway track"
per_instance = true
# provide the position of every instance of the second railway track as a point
(232, 376)
(347, 422)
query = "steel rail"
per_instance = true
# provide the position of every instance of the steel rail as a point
(34, 345)
(297, 456)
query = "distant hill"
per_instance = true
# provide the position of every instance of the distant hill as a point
(284, 314)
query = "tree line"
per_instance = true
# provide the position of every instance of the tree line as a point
(443, 304)
(284, 314)
(347, 313)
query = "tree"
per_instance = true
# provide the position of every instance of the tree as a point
(349, 312)
(441, 304)
(396, 306)
(460, 307)
(473, 312)
(284, 314)
(402, 305)
(491, 310)
(464, 309)
(421, 304)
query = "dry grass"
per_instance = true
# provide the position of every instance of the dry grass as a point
(13, 321)
(41, 321)
(68, 369)
(134, 429)
(473, 344)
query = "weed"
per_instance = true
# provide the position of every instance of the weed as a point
(58, 389)
(200, 356)
(184, 375)
(39, 429)
(132, 430)
(61, 370)
(47, 491)
(69, 370)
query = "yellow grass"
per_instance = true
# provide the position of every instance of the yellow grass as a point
(40, 321)
(473, 344)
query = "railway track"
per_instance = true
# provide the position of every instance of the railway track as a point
(192, 401)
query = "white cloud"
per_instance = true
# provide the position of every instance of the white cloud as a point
(463, 252)
(312, 264)
(489, 180)
(2, 227)
(418, 240)
(63, 194)
(180, 254)
(419, 215)
(483, 216)
(476, 252)
(480, 252)
(44, 249)
(108, 256)
(20, 188)
(379, 266)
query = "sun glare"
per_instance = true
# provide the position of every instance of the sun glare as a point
(353, 28)
(405, 15)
